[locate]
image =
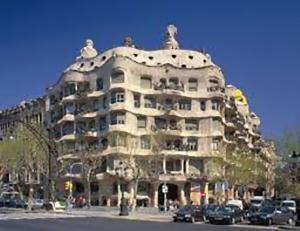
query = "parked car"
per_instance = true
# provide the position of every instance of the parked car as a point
(16, 203)
(2, 202)
(270, 215)
(207, 210)
(257, 201)
(188, 213)
(238, 203)
(226, 214)
(289, 204)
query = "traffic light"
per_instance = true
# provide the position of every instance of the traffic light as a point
(68, 186)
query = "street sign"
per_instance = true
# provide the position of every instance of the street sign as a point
(164, 188)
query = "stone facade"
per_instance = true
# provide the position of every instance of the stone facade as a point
(179, 94)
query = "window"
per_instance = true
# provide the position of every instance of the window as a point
(68, 128)
(141, 121)
(69, 89)
(99, 84)
(145, 142)
(102, 124)
(214, 105)
(96, 104)
(137, 100)
(202, 105)
(117, 139)
(104, 102)
(117, 118)
(168, 104)
(173, 124)
(146, 82)
(70, 108)
(150, 102)
(215, 144)
(193, 85)
(191, 125)
(213, 82)
(160, 123)
(117, 76)
(192, 144)
(185, 104)
(117, 97)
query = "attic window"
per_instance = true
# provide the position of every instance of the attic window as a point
(91, 64)
(103, 58)
(82, 64)
(204, 60)
(173, 56)
(158, 63)
(191, 57)
(143, 62)
(183, 66)
(135, 55)
(150, 57)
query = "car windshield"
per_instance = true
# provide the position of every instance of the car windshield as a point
(267, 210)
(186, 208)
(256, 201)
(210, 207)
(223, 209)
(288, 204)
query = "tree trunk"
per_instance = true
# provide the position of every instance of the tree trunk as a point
(20, 191)
(87, 190)
(30, 197)
(136, 182)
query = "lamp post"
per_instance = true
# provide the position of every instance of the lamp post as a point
(120, 172)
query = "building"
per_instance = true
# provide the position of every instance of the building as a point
(29, 111)
(175, 96)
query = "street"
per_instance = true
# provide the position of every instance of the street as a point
(107, 224)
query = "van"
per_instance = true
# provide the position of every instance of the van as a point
(237, 203)
(290, 204)
(257, 201)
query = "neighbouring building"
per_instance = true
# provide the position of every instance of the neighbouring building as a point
(177, 95)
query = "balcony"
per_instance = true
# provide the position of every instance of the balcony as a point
(171, 86)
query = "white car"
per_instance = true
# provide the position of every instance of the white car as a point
(290, 204)
(237, 203)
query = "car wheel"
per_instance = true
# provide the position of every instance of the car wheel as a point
(242, 219)
(192, 219)
(290, 221)
(175, 219)
(204, 219)
(232, 221)
(269, 222)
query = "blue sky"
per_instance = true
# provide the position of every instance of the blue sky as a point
(257, 44)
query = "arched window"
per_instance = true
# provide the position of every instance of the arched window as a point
(99, 84)
(117, 76)
(193, 84)
(146, 82)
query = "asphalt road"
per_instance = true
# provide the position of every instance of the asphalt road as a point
(106, 224)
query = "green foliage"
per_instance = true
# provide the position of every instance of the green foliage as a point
(240, 168)
(23, 152)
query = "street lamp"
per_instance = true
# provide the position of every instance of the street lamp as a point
(120, 172)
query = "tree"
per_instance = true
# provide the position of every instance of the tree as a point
(24, 156)
(288, 170)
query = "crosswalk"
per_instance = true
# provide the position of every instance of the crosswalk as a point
(32, 216)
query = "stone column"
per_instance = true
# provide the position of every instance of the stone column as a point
(206, 192)
(131, 194)
(119, 193)
(187, 164)
(155, 195)
(182, 166)
(182, 195)
(164, 165)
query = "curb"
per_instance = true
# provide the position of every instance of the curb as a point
(289, 227)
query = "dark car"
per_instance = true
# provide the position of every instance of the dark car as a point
(271, 215)
(2, 202)
(188, 213)
(16, 203)
(207, 210)
(226, 214)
